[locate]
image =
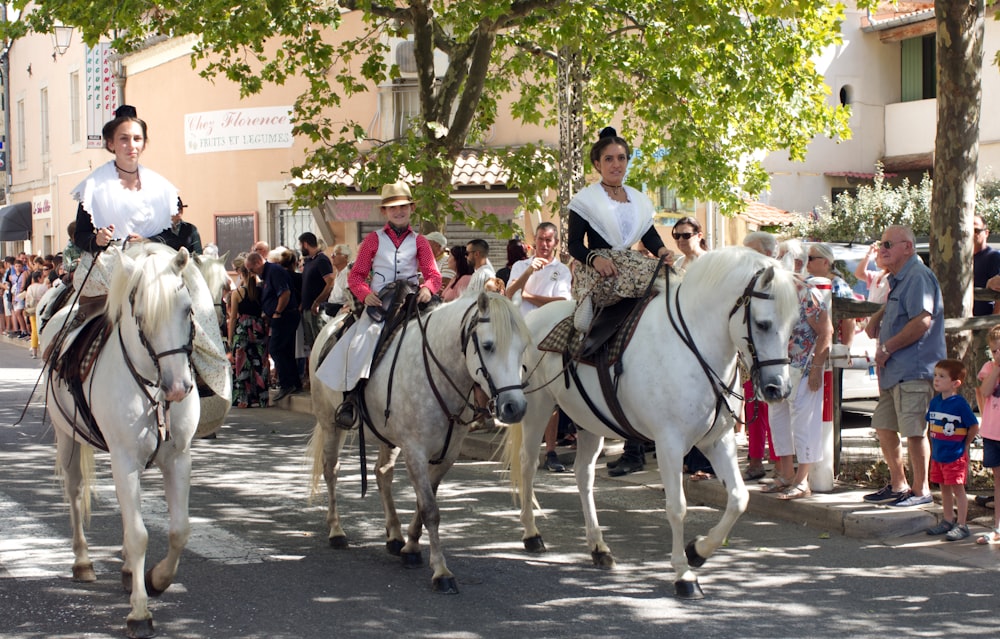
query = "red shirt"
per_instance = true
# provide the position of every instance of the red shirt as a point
(357, 279)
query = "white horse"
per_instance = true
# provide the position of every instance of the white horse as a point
(677, 388)
(470, 341)
(139, 392)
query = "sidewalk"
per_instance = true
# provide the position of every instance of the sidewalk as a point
(840, 511)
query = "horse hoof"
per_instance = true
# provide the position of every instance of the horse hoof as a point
(338, 541)
(534, 544)
(152, 590)
(603, 559)
(127, 582)
(694, 559)
(139, 628)
(84, 574)
(446, 585)
(394, 547)
(411, 559)
(688, 589)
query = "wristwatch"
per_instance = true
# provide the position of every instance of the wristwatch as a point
(885, 350)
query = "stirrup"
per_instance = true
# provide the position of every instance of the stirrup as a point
(346, 416)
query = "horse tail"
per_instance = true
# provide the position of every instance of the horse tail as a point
(89, 474)
(314, 452)
(88, 477)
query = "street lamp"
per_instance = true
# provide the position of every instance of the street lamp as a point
(61, 38)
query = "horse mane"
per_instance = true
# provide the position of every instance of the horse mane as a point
(716, 269)
(141, 271)
(506, 319)
(213, 269)
(504, 316)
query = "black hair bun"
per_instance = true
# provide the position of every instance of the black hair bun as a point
(607, 132)
(126, 111)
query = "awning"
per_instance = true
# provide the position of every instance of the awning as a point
(909, 162)
(15, 222)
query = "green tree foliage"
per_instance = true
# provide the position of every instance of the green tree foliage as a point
(862, 216)
(706, 89)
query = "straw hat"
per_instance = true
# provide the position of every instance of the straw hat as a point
(396, 194)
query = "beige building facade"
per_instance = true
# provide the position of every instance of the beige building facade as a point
(230, 156)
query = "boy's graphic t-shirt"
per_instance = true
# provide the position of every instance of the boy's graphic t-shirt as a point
(950, 420)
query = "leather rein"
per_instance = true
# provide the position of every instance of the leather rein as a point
(722, 390)
(144, 384)
(467, 334)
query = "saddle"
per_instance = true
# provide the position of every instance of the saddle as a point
(601, 347)
(71, 358)
(609, 334)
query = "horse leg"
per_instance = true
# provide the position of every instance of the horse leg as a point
(71, 460)
(426, 478)
(533, 428)
(671, 465)
(588, 448)
(126, 475)
(722, 454)
(176, 484)
(333, 443)
(384, 472)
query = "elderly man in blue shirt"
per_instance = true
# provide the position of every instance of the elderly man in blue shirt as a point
(910, 333)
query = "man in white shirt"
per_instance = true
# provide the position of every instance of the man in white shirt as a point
(543, 278)
(479, 256)
(539, 280)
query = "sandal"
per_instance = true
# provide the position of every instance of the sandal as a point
(701, 475)
(795, 492)
(988, 539)
(779, 485)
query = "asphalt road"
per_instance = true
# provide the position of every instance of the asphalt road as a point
(258, 564)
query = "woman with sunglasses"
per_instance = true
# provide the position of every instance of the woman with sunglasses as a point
(690, 240)
(821, 263)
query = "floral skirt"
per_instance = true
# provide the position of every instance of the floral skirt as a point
(250, 363)
(635, 271)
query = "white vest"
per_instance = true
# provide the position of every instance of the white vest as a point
(391, 263)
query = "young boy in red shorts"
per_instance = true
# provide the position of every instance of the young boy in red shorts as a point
(952, 428)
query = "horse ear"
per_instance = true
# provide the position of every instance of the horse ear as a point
(767, 277)
(483, 302)
(181, 261)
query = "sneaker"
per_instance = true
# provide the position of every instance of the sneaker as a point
(943, 527)
(886, 494)
(958, 532)
(552, 463)
(911, 500)
(985, 501)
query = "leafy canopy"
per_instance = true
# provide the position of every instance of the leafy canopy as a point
(705, 89)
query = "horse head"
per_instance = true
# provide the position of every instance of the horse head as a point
(760, 324)
(494, 337)
(153, 294)
(213, 270)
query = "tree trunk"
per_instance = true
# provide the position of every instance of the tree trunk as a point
(959, 97)
(571, 163)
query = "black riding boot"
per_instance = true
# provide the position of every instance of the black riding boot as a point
(348, 413)
(633, 459)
